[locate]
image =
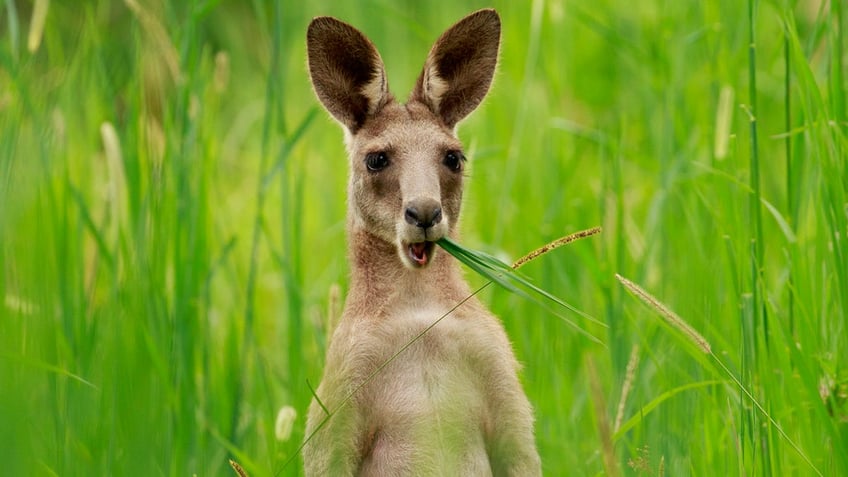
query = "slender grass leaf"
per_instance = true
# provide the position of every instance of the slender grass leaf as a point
(37, 364)
(781, 222)
(85, 214)
(648, 408)
(507, 277)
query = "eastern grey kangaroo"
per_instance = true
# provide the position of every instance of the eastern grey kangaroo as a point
(450, 404)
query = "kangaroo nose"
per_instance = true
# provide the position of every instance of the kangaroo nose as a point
(423, 213)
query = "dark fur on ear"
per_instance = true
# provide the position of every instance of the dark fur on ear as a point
(346, 70)
(460, 67)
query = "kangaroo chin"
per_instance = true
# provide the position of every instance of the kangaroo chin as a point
(429, 400)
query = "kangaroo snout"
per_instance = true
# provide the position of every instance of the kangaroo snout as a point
(425, 225)
(423, 213)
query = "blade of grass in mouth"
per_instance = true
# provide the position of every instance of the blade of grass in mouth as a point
(506, 276)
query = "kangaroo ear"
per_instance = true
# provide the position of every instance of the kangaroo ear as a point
(346, 71)
(460, 67)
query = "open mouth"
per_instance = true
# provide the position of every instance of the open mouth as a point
(421, 252)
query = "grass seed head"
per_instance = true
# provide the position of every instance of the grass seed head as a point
(670, 316)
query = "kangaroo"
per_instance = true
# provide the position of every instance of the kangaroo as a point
(451, 403)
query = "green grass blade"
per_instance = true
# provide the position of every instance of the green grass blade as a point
(645, 410)
(52, 368)
(507, 277)
(85, 215)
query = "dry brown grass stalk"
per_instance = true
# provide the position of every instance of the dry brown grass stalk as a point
(629, 376)
(604, 431)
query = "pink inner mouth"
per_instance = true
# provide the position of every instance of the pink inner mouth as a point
(421, 252)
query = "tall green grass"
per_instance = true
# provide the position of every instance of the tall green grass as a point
(172, 228)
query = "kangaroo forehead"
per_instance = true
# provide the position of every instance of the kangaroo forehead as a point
(405, 128)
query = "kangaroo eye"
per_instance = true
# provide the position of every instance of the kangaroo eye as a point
(453, 160)
(376, 161)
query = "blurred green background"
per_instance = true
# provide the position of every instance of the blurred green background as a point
(172, 243)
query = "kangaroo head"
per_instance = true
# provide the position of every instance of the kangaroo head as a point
(406, 163)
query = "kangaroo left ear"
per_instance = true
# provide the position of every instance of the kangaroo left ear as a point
(460, 67)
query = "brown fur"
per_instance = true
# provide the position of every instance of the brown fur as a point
(450, 404)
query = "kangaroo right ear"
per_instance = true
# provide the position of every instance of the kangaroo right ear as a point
(346, 71)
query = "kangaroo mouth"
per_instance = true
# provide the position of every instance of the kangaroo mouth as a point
(421, 253)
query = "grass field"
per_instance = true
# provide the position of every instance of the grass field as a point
(172, 243)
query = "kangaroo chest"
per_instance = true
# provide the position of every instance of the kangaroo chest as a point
(430, 370)
(428, 404)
